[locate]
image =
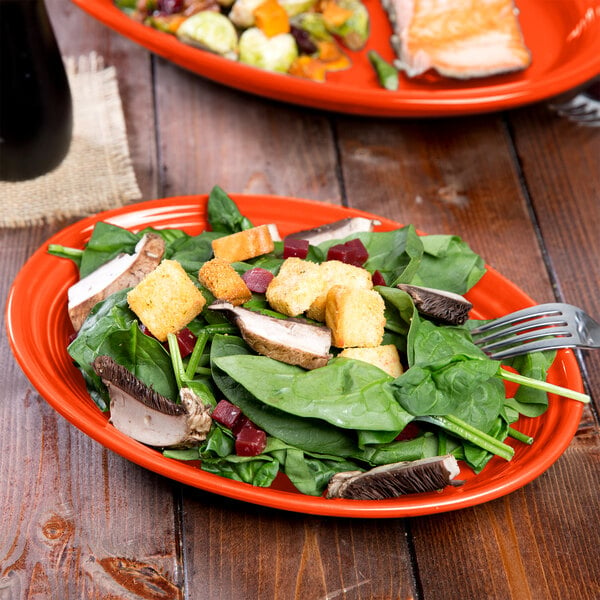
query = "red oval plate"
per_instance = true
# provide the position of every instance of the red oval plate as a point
(563, 36)
(38, 328)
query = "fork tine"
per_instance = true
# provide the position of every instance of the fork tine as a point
(548, 325)
(532, 312)
(551, 344)
(557, 333)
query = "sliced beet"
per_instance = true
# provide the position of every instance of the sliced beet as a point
(410, 432)
(250, 441)
(338, 252)
(352, 252)
(257, 279)
(295, 248)
(239, 424)
(378, 279)
(358, 252)
(226, 413)
(186, 341)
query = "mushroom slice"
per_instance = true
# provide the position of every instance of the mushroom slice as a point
(123, 271)
(290, 341)
(397, 479)
(336, 230)
(440, 305)
(148, 417)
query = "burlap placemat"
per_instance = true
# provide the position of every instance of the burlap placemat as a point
(97, 173)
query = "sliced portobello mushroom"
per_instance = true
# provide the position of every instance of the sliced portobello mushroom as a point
(123, 271)
(148, 417)
(288, 340)
(397, 479)
(336, 230)
(445, 307)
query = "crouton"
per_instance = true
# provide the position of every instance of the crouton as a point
(166, 300)
(355, 317)
(224, 283)
(336, 272)
(385, 357)
(295, 287)
(244, 244)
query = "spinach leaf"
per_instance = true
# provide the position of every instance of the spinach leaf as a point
(448, 264)
(311, 474)
(111, 329)
(477, 457)
(192, 251)
(107, 241)
(399, 314)
(449, 375)
(312, 435)
(346, 393)
(529, 401)
(223, 214)
(259, 471)
(423, 446)
(428, 342)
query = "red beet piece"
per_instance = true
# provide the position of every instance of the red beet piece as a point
(409, 432)
(378, 279)
(250, 441)
(227, 414)
(257, 279)
(239, 424)
(338, 252)
(357, 252)
(295, 248)
(186, 341)
(353, 252)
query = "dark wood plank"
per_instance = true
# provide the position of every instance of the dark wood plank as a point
(561, 168)
(244, 551)
(212, 135)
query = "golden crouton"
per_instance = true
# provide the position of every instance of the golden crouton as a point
(295, 287)
(223, 281)
(355, 317)
(244, 244)
(166, 300)
(335, 272)
(385, 357)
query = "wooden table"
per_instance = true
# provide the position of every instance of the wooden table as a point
(522, 188)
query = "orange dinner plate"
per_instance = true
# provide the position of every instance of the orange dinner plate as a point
(563, 36)
(38, 329)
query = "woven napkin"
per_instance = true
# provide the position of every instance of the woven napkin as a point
(97, 173)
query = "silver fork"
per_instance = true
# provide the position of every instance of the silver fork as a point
(542, 327)
(583, 108)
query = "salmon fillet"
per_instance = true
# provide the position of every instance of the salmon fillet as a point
(457, 38)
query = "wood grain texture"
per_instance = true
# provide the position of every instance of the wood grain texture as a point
(521, 189)
(214, 135)
(561, 169)
(244, 551)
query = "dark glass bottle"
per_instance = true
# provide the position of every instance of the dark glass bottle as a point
(36, 118)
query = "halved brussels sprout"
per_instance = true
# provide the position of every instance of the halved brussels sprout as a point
(272, 54)
(212, 31)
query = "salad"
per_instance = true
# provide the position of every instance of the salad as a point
(256, 416)
(304, 38)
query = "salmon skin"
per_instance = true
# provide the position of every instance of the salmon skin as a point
(457, 38)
